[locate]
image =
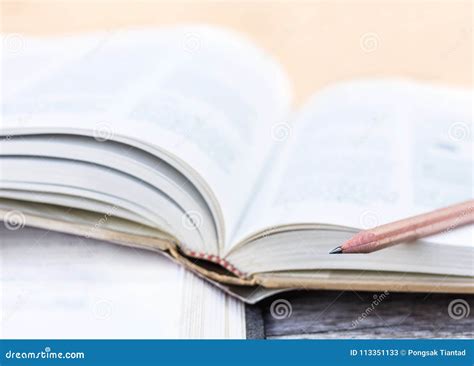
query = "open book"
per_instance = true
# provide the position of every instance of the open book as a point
(183, 141)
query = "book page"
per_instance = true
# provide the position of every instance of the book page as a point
(63, 287)
(207, 96)
(365, 153)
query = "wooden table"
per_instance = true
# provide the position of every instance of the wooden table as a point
(334, 314)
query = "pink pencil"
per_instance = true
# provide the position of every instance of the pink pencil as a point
(409, 229)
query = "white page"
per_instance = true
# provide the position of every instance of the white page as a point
(59, 286)
(205, 95)
(34, 59)
(370, 152)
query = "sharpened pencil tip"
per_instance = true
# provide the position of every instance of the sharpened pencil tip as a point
(336, 250)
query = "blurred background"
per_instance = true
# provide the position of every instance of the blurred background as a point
(317, 42)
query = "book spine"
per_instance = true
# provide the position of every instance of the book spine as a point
(187, 261)
(216, 259)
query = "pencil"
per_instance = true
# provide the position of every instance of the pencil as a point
(409, 229)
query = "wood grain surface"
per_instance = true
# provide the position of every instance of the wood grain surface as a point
(334, 314)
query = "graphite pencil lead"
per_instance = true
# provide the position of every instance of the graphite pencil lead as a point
(336, 250)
